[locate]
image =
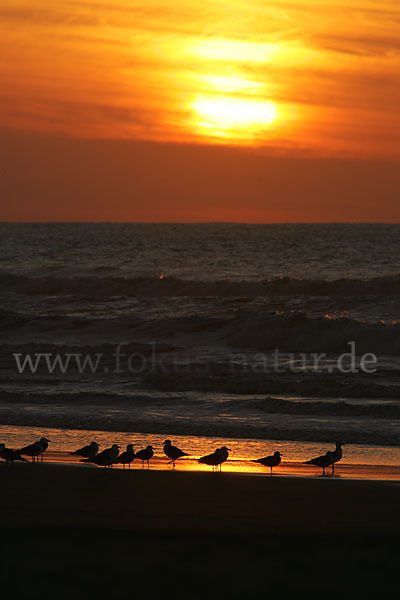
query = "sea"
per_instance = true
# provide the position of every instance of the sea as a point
(268, 335)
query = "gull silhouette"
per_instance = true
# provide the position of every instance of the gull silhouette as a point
(107, 458)
(215, 459)
(36, 450)
(321, 461)
(10, 455)
(145, 455)
(173, 452)
(125, 458)
(89, 451)
(270, 461)
(337, 455)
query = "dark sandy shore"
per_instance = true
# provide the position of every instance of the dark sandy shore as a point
(86, 532)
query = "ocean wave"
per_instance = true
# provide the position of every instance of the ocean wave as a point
(296, 332)
(334, 409)
(306, 386)
(289, 332)
(241, 418)
(101, 287)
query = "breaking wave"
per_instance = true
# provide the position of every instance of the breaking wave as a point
(170, 286)
(290, 332)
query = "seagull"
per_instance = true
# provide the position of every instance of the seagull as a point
(107, 458)
(44, 444)
(213, 459)
(173, 452)
(336, 455)
(87, 451)
(10, 455)
(321, 461)
(216, 458)
(270, 461)
(127, 457)
(145, 455)
(36, 449)
(224, 452)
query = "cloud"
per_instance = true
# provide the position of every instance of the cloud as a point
(367, 45)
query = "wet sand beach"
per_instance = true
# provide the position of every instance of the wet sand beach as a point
(88, 531)
(46, 494)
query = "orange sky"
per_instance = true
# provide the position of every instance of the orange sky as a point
(199, 111)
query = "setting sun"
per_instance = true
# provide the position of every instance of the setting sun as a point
(234, 50)
(228, 114)
(153, 96)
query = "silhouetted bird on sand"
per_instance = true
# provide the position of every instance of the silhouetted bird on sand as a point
(87, 451)
(224, 451)
(10, 455)
(44, 443)
(173, 452)
(145, 455)
(337, 455)
(125, 458)
(36, 449)
(321, 461)
(107, 458)
(215, 459)
(270, 461)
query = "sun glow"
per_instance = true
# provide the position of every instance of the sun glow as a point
(234, 50)
(228, 116)
(229, 84)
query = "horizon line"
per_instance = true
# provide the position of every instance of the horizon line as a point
(107, 222)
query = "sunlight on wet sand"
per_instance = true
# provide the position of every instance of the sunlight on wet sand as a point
(285, 469)
(359, 462)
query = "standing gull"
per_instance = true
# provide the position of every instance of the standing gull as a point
(321, 461)
(336, 455)
(10, 455)
(125, 458)
(87, 451)
(145, 455)
(36, 449)
(107, 458)
(173, 452)
(270, 461)
(216, 458)
(224, 452)
(44, 444)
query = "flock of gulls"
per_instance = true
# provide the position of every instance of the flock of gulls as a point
(111, 456)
